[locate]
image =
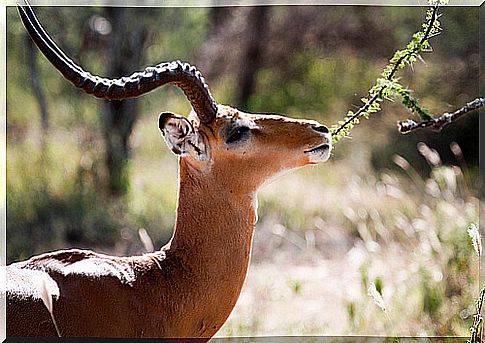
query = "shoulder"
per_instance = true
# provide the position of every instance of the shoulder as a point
(76, 262)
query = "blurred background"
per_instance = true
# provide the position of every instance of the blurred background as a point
(387, 209)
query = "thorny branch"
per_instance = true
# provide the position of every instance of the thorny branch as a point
(389, 77)
(476, 329)
(409, 125)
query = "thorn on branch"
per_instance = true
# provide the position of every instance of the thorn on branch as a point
(439, 122)
(385, 85)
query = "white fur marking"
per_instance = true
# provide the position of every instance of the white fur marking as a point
(25, 283)
(249, 123)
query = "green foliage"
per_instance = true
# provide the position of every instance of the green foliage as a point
(57, 200)
(378, 283)
(311, 87)
(48, 212)
(432, 297)
(387, 86)
(351, 311)
(296, 286)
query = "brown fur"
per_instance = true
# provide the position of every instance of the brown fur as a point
(190, 286)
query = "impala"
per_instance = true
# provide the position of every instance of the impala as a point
(189, 287)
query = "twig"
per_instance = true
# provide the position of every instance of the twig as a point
(477, 328)
(391, 75)
(409, 125)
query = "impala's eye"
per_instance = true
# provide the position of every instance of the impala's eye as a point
(237, 134)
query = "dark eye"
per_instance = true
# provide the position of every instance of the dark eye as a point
(237, 134)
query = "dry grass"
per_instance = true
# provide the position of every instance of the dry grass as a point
(314, 261)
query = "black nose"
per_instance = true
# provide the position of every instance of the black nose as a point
(320, 128)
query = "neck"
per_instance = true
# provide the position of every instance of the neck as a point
(212, 241)
(211, 215)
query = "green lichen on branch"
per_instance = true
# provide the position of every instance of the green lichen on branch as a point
(437, 123)
(387, 86)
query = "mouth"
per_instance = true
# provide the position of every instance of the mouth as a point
(320, 153)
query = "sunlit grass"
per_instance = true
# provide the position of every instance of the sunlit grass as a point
(406, 235)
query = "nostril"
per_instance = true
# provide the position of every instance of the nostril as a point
(320, 128)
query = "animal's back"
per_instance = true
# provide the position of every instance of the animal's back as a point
(81, 284)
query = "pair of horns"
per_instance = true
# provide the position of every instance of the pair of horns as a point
(183, 75)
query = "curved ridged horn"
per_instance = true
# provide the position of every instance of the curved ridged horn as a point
(183, 75)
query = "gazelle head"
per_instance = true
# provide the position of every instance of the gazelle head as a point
(218, 140)
(245, 148)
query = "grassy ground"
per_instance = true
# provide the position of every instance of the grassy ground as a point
(311, 277)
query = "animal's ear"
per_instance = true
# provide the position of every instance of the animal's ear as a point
(180, 136)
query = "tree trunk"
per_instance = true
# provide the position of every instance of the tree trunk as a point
(253, 57)
(124, 55)
(37, 86)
